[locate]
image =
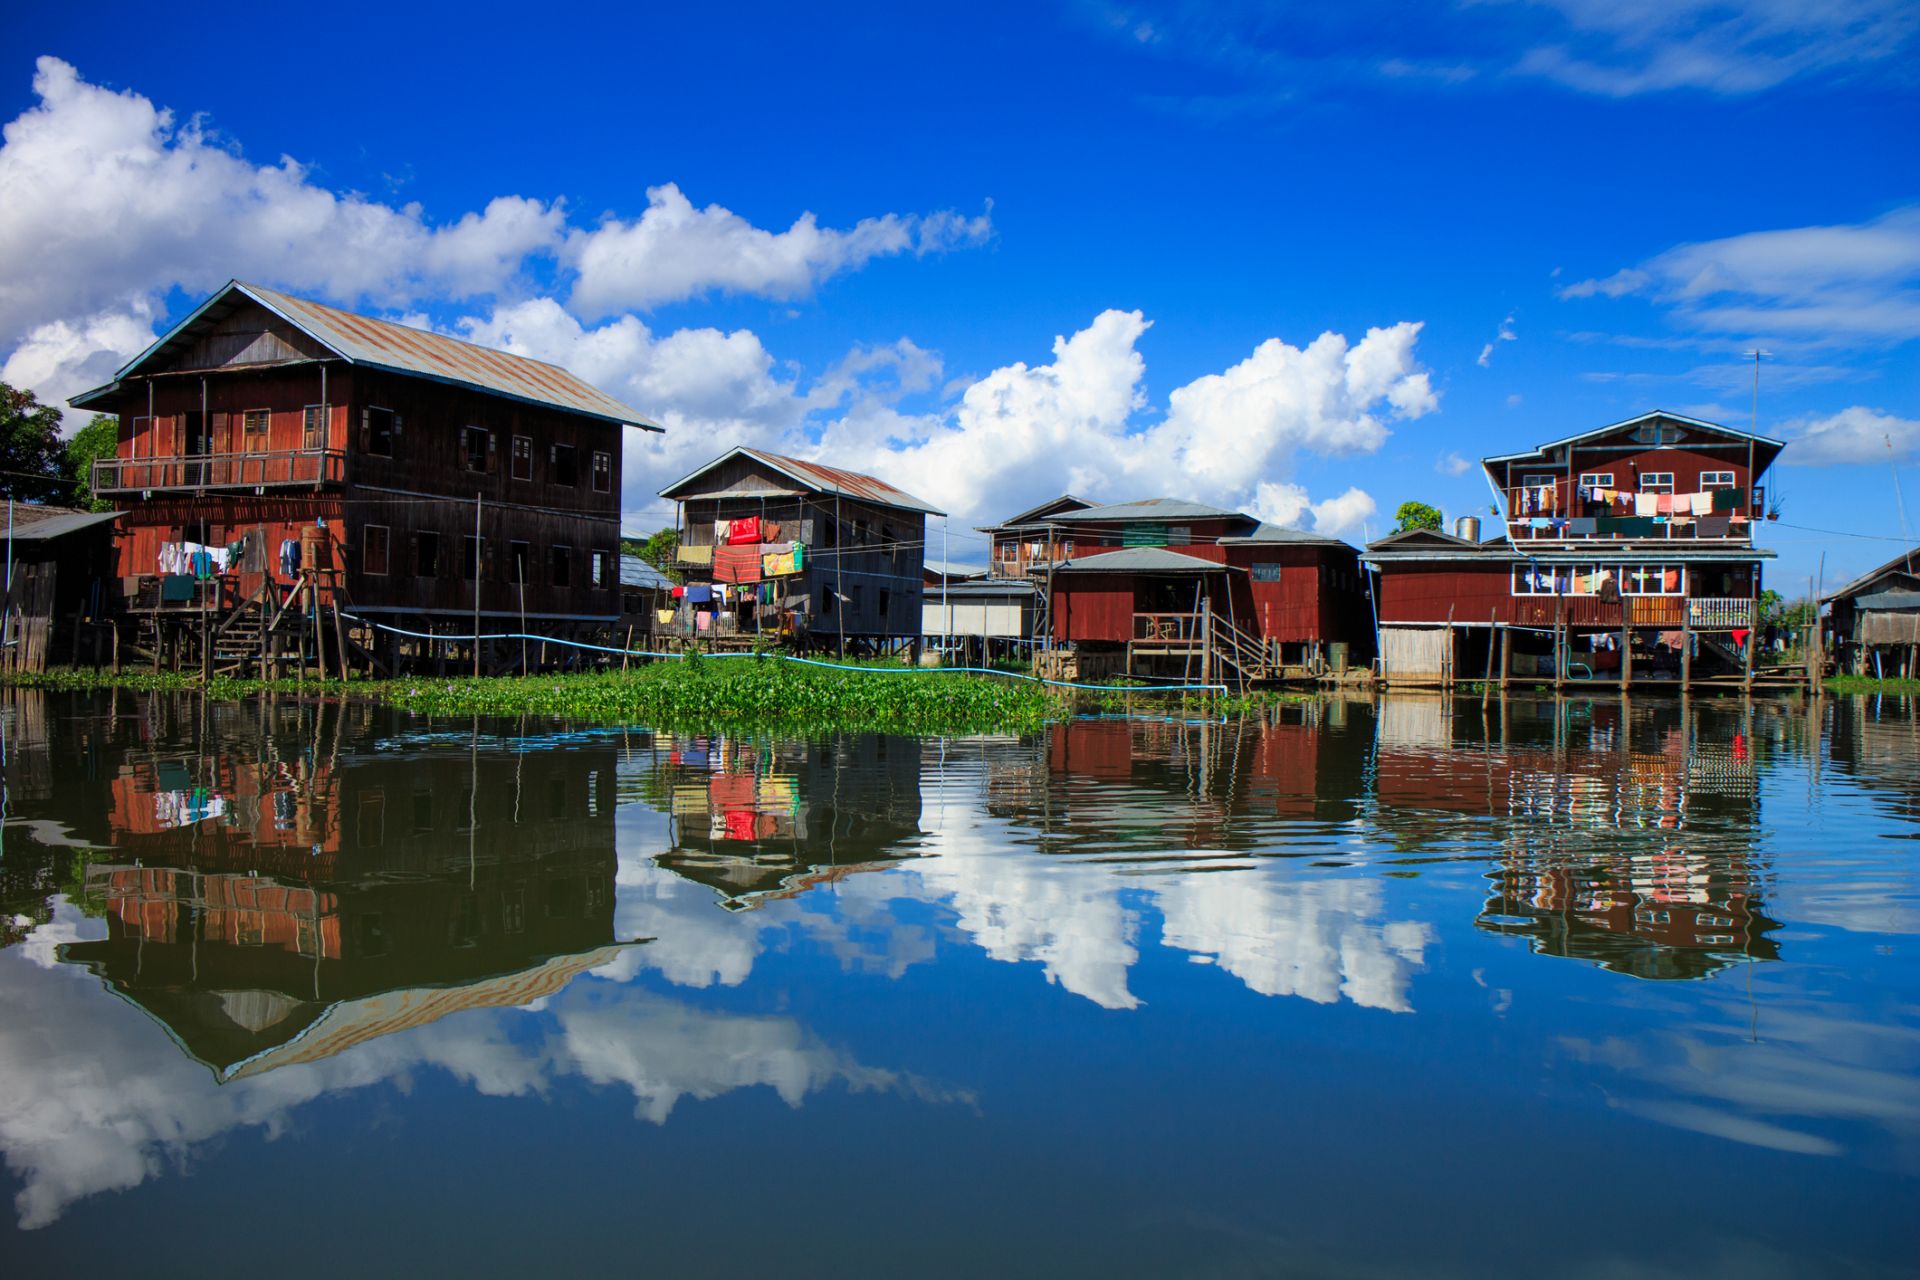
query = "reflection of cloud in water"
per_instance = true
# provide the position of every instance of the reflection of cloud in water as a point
(99, 1099)
(1297, 938)
(1807, 1084)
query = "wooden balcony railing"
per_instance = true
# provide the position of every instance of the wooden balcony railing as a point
(268, 469)
(1167, 628)
(1710, 614)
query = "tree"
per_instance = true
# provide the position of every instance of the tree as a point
(1416, 515)
(659, 549)
(100, 438)
(31, 455)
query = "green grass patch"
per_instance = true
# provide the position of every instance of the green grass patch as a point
(1867, 684)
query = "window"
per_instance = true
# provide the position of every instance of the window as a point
(1266, 573)
(477, 447)
(602, 472)
(1656, 482)
(377, 429)
(254, 422)
(1536, 480)
(519, 560)
(826, 600)
(1542, 579)
(1179, 535)
(1656, 433)
(560, 566)
(313, 427)
(560, 466)
(1652, 579)
(886, 604)
(1597, 480)
(600, 570)
(1716, 480)
(523, 457)
(426, 555)
(471, 549)
(373, 551)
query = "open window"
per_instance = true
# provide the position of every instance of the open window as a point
(560, 566)
(476, 448)
(601, 570)
(426, 554)
(377, 429)
(561, 467)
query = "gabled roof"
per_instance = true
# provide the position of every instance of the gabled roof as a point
(814, 476)
(1065, 504)
(1276, 533)
(638, 574)
(1149, 509)
(1907, 563)
(1902, 600)
(950, 570)
(1696, 424)
(368, 343)
(1409, 538)
(1140, 560)
(32, 523)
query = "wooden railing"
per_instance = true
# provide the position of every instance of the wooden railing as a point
(268, 469)
(1710, 614)
(1168, 628)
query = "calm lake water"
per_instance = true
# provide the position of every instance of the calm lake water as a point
(1350, 989)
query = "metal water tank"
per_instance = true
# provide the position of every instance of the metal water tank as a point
(1467, 527)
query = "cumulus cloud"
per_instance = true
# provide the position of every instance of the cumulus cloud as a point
(112, 203)
(1451, 463)
(674, 251)
(1856, 434)
(1819, 285)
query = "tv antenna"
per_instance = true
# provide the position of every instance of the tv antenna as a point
(1756, 355)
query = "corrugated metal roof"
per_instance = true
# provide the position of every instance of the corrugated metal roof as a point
(1280, 533)
(1906, 564)
(41, 524)
(1053, 508)
(1139, 560)
(949, 569)
(816, 476)
(1682, 418)
(1153, 509)
(382, 344)
(1889, 600)
(637, 573)
(980, 587)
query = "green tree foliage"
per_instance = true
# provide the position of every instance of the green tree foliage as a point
(1416, 515)
(31, 455)
(98, 439)
(658, 549)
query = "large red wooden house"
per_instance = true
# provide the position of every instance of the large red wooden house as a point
(1623, 553)
(270, 444)
(1174, 589)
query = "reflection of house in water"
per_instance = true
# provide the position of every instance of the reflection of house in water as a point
(755, 820)
(1188, 783)
(1625, 843)
(285, 907)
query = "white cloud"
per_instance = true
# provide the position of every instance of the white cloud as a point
(111, 203)
(1853, 435)
(1818, 285)
(1345, 514)
(1451, 463)
(675, 251)
(1619, 48)
(1505, 334)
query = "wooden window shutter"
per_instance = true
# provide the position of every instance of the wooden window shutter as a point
(493, 454)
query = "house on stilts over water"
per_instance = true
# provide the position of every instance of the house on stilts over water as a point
(1624, 554)
(821, 557)
(303, 486)
(1178, 591)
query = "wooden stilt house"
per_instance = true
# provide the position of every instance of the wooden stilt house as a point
(301, 484)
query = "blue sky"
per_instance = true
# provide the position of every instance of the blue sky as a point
(1210, 207)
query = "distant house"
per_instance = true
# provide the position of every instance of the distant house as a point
(1638, 533)
(1168, 588)
(61, 560)
(1027, 543)
(779, 546)
(645, 594)
(1874, 620)
(269, 443)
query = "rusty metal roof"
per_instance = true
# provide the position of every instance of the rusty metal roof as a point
(817, 477)
(382, 344)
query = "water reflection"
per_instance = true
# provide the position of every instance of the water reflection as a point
(218, 915)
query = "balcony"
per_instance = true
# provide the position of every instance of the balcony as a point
(1563, 501)
(216, 472)
(1705, 613)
